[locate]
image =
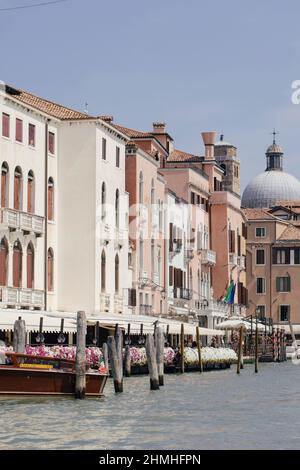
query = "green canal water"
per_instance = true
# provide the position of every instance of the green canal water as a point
(215, 410)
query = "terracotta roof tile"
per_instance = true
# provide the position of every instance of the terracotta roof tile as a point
(180, 156)
(258, 214)
(132, 133)
(290, 233)
(48, 107)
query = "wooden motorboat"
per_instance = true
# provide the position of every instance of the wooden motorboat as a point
(23, 374)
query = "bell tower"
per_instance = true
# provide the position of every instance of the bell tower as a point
(226, 157)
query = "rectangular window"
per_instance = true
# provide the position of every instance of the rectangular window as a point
(5, 125)
(260, 256)
(31, 135)
(260, 232)
(118, 157)
(192, 198)
(51, 143)
(283, 284)
(19, 130)
(281, 256)
(297, 256)
(260, 285)
(103, 149)
(284, 312)
(261, 312)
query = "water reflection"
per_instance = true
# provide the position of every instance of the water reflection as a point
(218, 410)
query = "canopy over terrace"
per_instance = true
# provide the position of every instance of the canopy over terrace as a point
(51, 324)
(235, 323)
(148, 322)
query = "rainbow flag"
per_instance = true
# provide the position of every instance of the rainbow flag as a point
(229, 296)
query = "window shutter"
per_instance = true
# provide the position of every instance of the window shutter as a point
(171, 273)
(239, 245)
(19, 130)
(31, 135)
(51, 142)
(5, 124)
(240, 293)
(171, 237)
(287, 256)
(50, 201)
(30, 268)
(3, 188)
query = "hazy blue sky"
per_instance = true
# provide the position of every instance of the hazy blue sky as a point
(198, 65)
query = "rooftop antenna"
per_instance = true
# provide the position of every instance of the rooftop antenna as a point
(86, 109)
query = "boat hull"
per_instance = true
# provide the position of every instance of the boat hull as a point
(15, 381)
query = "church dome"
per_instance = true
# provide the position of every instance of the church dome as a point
(274, 185)
(267, 188)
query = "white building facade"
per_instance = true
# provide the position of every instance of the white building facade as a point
(64, 209)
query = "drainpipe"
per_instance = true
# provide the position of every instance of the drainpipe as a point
(46, 216)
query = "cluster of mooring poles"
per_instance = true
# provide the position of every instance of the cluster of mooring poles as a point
(240, 361)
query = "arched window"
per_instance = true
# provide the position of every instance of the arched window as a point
(103, 201)
(17, 264)
(30, 192)
(152, 257)
(141, 188)
(3, 262)
(117, 208)
(18, 188)
(30, 266)
(4, 184)
(152, 192)
(141, 243)
(117, 273)
(159, 267)
(103, 271)
(50, 270)
(50, 199)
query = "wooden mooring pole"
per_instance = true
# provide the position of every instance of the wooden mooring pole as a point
(256, 346)
(127, 362)
(152, 362)
(105, 355)
(160, 345)
(199, 350)
(19, 340)
(182, 349)
(80, 383)
(114, 344)
(240, 351)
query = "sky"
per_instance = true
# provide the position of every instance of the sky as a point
(198, 65)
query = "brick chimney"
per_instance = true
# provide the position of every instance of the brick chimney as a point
(209, 139)
(159, 128)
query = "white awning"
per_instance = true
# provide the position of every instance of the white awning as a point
(235, 323)
(287, 330)
(51, 324)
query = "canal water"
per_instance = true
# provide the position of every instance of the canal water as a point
(215, 410)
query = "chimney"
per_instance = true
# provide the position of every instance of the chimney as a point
(209, 139)
(159, 128)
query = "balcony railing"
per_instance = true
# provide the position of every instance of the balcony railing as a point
(182, 293)
(233, 259)
(22, 297)
(209, 257)
(146, 310)
(189, 254)
(104, 302)
(18, 220)
(241, 262)
(118, 303)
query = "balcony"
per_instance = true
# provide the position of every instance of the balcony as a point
(146, 310)
(104, 302)
(233, 259)
(241, 262)
(189, 254)
(17, 220)
(182, 293)
(119, 238)
(118, 303)
(209, 257)
(11, 296)
(105, 234)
